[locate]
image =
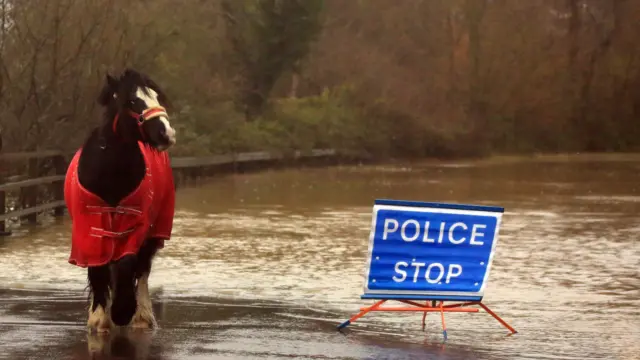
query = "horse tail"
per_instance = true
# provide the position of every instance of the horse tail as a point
(124, 302)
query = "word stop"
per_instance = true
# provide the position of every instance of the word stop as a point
(433, 273)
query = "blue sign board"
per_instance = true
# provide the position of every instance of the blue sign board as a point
(430, 251)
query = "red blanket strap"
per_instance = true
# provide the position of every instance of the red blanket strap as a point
(99, 232)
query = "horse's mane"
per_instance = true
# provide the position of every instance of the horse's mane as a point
(130, 79)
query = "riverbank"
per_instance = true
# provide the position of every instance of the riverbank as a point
(538, 157)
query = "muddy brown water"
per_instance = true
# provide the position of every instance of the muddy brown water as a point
(265, 265)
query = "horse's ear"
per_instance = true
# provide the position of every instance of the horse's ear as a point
(108, 91)
(111, 81)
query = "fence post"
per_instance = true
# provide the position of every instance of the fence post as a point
(60, 166)
(3, 205)
(235, 162)
(3, 197)
(30, 197)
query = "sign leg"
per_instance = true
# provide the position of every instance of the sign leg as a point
(360, 314)
(424, 317)
(444, 326)
(495, 316)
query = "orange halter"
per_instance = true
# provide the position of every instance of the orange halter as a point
(147, 114)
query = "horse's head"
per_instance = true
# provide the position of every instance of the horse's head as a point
(136, 109)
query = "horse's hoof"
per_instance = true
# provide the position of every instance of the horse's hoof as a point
(99, 321)
(103, 330)
(98, 329)
(143, 321)
(141, 325)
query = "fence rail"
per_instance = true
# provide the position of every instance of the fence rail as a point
(187, 162)
(28, 174)
(39, 192)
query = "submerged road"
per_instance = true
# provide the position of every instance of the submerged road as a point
(49, 325)
(264, 266)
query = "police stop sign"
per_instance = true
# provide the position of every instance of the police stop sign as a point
(431, 250)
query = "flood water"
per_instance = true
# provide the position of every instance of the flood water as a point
(265, 265)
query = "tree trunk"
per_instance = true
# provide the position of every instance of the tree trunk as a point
(295, 81)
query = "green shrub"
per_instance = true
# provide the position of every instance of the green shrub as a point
(332, 119)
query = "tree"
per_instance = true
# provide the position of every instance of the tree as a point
(268, 38)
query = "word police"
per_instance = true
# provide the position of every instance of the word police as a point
(410, 231)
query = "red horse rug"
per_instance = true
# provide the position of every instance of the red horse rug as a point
(102, 233)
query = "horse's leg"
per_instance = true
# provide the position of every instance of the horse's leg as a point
(124, 294)
(99, 283)
(144, 318)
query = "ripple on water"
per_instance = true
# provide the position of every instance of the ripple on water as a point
(609, 198)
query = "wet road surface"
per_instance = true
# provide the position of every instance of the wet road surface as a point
(266, 265)
(49, 325)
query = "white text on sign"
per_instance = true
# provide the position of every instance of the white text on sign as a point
(445, 231)
(433, 273)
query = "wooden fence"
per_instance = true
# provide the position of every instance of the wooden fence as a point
(36, 180)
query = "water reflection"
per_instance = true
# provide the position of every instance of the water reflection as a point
(122, 345)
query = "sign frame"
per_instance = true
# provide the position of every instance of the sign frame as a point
(413, 299)
(436, 208)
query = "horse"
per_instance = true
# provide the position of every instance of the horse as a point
(120, 194)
